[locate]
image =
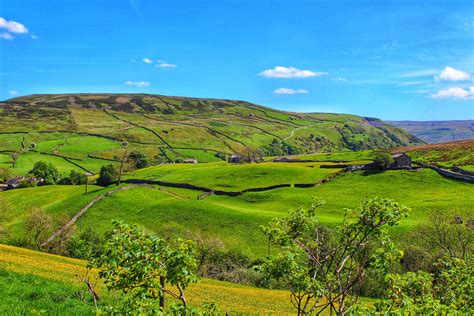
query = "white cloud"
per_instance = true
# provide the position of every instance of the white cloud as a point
(451, 74)
(289, 72)
(339, 79)
(34, 37)
(140, 84)
(6, 36)
(12, 92)
(454, 93)
(164, 64)
(147, 60)
(290, 91)
(12, 26)
(420, 73)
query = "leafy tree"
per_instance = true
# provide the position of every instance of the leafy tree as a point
(74, 178)
(447, 234)
(46, 171)
(108, 175)
(141, 266)
(320, 267)
(423, 293)
(5, 174)
(86, 245)
(383, 159)
(38, 225)
(4, 210)
(138, 160)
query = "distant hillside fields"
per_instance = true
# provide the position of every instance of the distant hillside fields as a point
(86, 131)
(438, 131)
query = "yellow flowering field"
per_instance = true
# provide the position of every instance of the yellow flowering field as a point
(228, 296)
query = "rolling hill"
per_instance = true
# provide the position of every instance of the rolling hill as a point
(438, 131)
(86, 131)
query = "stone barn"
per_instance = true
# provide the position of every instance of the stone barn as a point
(235, 159)
(401, 161)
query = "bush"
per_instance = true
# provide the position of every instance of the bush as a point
(383, 159)
(108, 175)
(46, 171)
(138, 160)
(74, 178)
(5, 174)
(86, 246)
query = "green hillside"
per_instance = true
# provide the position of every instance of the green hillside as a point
(236, 220)
(86, 131)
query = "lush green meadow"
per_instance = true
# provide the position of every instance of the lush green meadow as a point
(236, 220)
(235, 177)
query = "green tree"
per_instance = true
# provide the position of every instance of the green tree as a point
(5, 174)
(382, 158)
(108, 175)
(74, 178)
(4, 212)
(46, 171)
(144, 267)
(320, 267)
(138, 160)
(449, 290)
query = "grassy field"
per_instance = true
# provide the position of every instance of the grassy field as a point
(236, 177)
(33, 282)
(236, 220)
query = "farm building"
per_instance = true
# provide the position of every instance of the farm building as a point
(235, 159)
(192, 160)
(401, 161)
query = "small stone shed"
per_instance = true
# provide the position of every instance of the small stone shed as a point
(235, 159)
(401, 161)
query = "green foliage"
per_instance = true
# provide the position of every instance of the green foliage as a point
(382, 158)
(321, 267)
(279, 148)
(87, 245)
(46, 171)
(74, 178)
(5, 174)
(451, 289)
(108, 175)
(140, 265)
(138, 160)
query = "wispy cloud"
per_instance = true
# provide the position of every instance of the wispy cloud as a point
(6, 35)
(338, 79)
(164, 64)
(289, 72)
(454, 93)
(451, 74)
(290, 91)
(139, 84)
(10, 28)
(420, 73)
(159, 63)
(12, 92)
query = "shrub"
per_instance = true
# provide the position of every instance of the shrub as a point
(138, 160)
(74, 178)
(46, 171)
(5, 174)
(108, 175)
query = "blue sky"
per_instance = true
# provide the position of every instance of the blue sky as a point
(394, 60)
